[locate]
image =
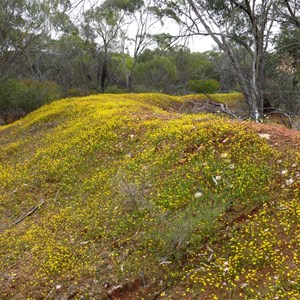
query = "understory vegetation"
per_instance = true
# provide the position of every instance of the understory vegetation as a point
(130, 197)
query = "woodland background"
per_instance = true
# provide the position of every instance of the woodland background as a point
(56, 48)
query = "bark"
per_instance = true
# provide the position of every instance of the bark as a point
(104, 72)
(103, 76)
(129, 83)
(260, 25)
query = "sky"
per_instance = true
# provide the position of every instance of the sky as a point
(196, 44)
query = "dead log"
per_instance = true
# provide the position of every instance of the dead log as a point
(209, 106)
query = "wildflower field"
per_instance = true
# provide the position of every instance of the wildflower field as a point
(125, 197)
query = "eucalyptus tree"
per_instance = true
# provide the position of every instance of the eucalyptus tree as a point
(284, 68)
(290, 11)
(192, 65)
(26, 29)
(157, 74)
(102, 25)
(233, 24)
(138, 34)
(19, 32)
(71, 63)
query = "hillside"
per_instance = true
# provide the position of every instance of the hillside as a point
(124, 197)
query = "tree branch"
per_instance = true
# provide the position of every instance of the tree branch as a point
(29, 213)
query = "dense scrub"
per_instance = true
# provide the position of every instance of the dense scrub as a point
(128, 190)
(19, 97)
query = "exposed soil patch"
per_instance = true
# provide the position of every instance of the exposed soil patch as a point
(280, 136)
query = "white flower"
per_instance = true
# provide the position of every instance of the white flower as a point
(264, 136)
(198, 194)
(289, 181)
(291, 281)
(219, 177)
(231, 166)
(283, 172)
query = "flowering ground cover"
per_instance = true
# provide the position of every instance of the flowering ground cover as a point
(124, 197)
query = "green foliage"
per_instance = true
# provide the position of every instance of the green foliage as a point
(114, 89)
(75, 66)
(103, 20)
(38, 93)
(156, 74)
(126, 5)
(18, 23)
(26, 95)
(73, 92)
(209, 86)
(283, 71)
(61, 22)
(193, 65)
(288, 45)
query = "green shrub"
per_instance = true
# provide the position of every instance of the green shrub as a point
(73, 92)
(36, 93)
(209, 86)
(114, 89)
(19, 97)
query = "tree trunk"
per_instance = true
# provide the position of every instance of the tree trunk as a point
(252, 86)
(98, 74)
(103, 78)
(129, 83)
(249, 86)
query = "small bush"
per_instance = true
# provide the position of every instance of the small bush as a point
(73, 92)
(114, 89)
(19, 97)
(36, 93)
(209, 86)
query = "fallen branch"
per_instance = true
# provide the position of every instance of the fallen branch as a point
(223, 106)
(210, 107)
(29, 213)
(285, 117)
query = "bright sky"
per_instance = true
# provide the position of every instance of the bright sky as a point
(201, 44)
(196, 44)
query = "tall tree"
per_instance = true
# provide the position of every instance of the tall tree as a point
(233, 23)
(191, 66)
(138, 35)
(157, 74)
(26, 26)
(19, 32)
(290, 11)
(102, 25)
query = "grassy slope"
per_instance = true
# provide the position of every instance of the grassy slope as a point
(198, 205)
